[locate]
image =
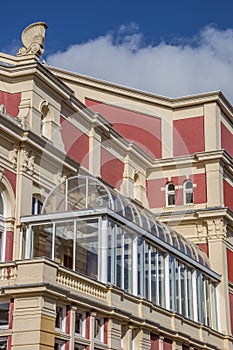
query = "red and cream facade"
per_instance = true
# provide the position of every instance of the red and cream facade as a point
(170, 156)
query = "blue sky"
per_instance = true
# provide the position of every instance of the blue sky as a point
(171, 48)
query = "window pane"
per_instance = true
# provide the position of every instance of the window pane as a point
(119, 257)
(60, 317)
(43, 235)
(153, 274)
(112, 227)
(3, 344)
(171, 187)
(189, 197)
(4, 314)
(171, 199)
(188, 184)
(86, 261)
(161, 279)
(80, 323)
(63, 254)
(127, 262)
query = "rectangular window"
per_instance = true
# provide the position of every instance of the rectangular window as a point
(99, 329)
(59, 344)
(79, 346)
(80, 323)
(60, 323)
(4, 314)
(3, 343)
(124, 330)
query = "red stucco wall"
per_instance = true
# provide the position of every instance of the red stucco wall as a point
(11, 102)
(188, 136)
(111, 168)
(226, 139)
(142, 129)
(76, 142)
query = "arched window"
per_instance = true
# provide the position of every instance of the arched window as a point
(188, 192)
(170, 194)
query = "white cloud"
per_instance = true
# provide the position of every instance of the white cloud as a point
(195, 65)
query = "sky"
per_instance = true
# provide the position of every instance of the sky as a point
(170, 48)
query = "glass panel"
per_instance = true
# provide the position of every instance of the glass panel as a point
(171, 187)
(190, 294)
(208, 310)
(140, 263)
(3, 343)
(60, 321)
(80, 323)
(86, 257)
(172, 285)
(171, 199)
(127, 262)
(213, 306)
(119, 257)
(42, 240)
(147, 272)
(112, 227)
(98, 328)
(177, 286)
(64, 234)
(183, 289)
(161, 279)
(189, 197)
(153, 274)
(161, 232)
(200, 298)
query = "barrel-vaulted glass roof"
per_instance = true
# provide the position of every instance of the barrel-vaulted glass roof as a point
(86, 192)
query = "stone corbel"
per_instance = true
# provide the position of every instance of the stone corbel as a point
(23, 116)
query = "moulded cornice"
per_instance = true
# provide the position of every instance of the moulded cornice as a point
(178, 102)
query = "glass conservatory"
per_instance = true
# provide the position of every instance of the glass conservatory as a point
(93, 230)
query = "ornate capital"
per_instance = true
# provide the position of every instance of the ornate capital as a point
(216, 228)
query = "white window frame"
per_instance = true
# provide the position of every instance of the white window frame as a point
(170, 193)
(187, 191)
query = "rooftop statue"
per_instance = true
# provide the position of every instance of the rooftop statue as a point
(33, 39)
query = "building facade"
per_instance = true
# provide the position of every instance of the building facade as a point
(116, 212)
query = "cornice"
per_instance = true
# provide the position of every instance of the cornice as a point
(172, 103)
